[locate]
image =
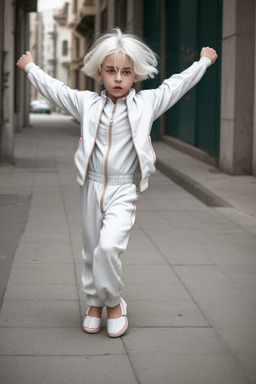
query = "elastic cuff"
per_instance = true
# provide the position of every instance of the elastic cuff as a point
(29, 66)
(206, 61)
(112, 302)
(94, 301)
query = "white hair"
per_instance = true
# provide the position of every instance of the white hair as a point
(143, 58)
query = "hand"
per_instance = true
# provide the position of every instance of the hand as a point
(24, 60)
(210, 53)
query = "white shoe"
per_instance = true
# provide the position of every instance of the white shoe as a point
(117, 327)
(91, 324)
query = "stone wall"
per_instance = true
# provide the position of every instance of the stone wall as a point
(237, 86)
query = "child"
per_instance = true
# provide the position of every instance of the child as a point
(114, 157)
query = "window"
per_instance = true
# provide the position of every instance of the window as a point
(64, 47)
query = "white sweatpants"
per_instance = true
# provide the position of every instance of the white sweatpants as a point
(105, 236)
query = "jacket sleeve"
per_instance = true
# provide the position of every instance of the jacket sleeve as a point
(54, 90)
(172, 89)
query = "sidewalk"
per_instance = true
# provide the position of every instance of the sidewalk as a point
(189, 274)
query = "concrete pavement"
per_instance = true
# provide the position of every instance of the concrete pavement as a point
(189, 274)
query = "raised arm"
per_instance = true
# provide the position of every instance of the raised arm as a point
(173, 88)
(53, 90)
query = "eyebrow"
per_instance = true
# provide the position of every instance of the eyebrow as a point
(112, 66)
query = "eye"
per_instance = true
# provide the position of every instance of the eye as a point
(110, 71)
(126, 72)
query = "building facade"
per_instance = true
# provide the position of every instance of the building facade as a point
(14, 40)
(82, 25)
(50, 43)
(63, 44)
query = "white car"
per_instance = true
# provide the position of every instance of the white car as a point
(39, 106)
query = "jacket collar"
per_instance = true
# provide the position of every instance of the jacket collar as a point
(129, 97)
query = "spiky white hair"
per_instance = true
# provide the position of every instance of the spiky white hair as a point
(143, 58)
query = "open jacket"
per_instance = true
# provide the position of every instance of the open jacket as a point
(143, 108)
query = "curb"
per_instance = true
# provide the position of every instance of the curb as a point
(190, 185)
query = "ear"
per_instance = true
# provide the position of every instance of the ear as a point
(99, 76)
(135, 79)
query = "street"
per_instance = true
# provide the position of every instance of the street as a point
(189, 274)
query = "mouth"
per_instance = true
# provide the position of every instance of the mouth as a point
(117, 88)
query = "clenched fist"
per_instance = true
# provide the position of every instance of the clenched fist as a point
(24, 60)
(210, 53)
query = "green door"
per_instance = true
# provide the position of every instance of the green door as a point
(191, 24)
(152, 36)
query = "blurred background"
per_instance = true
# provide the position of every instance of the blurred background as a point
(215, 121)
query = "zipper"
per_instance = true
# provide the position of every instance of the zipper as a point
(86, 167)
(134, 145)
(107, 157)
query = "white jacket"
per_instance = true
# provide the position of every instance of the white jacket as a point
(143, 108)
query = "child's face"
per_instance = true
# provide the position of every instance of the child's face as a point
(117, 75)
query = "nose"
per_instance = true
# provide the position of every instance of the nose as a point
(118, 76)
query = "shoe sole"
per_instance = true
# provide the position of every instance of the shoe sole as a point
(92, 330)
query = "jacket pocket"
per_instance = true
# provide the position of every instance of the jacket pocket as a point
(152, 150)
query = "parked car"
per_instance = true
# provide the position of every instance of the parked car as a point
(39, 106)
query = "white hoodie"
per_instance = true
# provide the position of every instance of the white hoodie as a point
(143, 108)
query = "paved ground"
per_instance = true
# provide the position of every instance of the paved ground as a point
(189, 275)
